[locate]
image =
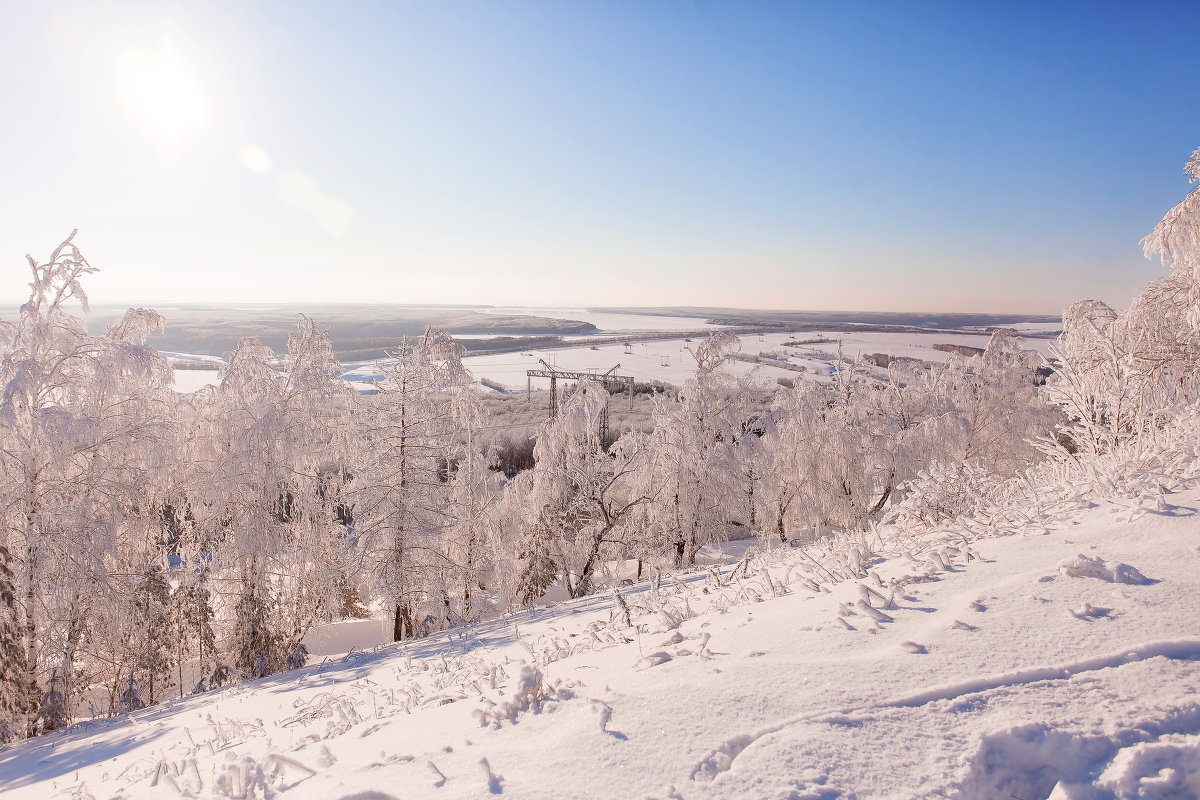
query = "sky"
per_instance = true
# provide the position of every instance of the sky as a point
(854, 156)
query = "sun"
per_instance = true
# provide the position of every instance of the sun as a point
(163, 94)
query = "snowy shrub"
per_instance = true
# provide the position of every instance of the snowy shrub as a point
(221, 676)
(52, 711)
(298, 657)
(941, 493)
(531, 693)
(131, 696)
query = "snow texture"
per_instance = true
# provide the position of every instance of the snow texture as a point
(724, 685)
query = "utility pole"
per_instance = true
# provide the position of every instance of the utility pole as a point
(607, 379)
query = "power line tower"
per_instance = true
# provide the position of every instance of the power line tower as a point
(608, 380)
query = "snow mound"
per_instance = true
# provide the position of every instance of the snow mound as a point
(1168, 768)
(1082, 566)
(531, 693)
(1157, 759)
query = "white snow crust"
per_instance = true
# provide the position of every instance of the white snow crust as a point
(836, 670)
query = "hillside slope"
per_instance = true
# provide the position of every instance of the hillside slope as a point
(1016, 666)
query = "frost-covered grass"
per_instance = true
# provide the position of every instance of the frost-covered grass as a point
(1044, 645)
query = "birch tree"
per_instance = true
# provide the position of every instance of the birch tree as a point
(85, 419)
(692, 432)
(274, 429)
(583, 499)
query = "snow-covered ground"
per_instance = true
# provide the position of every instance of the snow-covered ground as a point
(1059, 661)
(665, 360)
(670, 362)
(192, 380)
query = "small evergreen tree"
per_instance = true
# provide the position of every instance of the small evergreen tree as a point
(131, 696)
(52, 713)
(192, 625)
(255, 645)
(538, 570)
(150, 634)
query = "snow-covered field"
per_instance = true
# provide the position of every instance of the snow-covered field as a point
(665, 360)
(192, 380)
(670, 362)
(1059, 661)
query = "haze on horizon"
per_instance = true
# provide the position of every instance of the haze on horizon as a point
(926, 157)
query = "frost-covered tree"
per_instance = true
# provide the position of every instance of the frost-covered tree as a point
(84, 421)
(519, 554)
(270, 433)
(1121, 375)
(1175, 302)
(474, 493)
(833, 460)
(996, 401)
(582, 498)
(404, 489)
(693, 434)
(790, 448)
(851, 469)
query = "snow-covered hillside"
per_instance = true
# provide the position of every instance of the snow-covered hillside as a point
(1059, 660)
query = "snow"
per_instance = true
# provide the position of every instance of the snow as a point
(193, 380)
(952, 668)
(343, 637)
(1085, 566)
(666, 360)
(669, 360)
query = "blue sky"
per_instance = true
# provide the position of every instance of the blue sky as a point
(866, 156)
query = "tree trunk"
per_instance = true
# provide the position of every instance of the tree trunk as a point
(584, 585)
(31, 650)
(402, 627)
(886, 494)
(750, 496)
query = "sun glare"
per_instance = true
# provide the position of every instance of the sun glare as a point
(163, 94)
